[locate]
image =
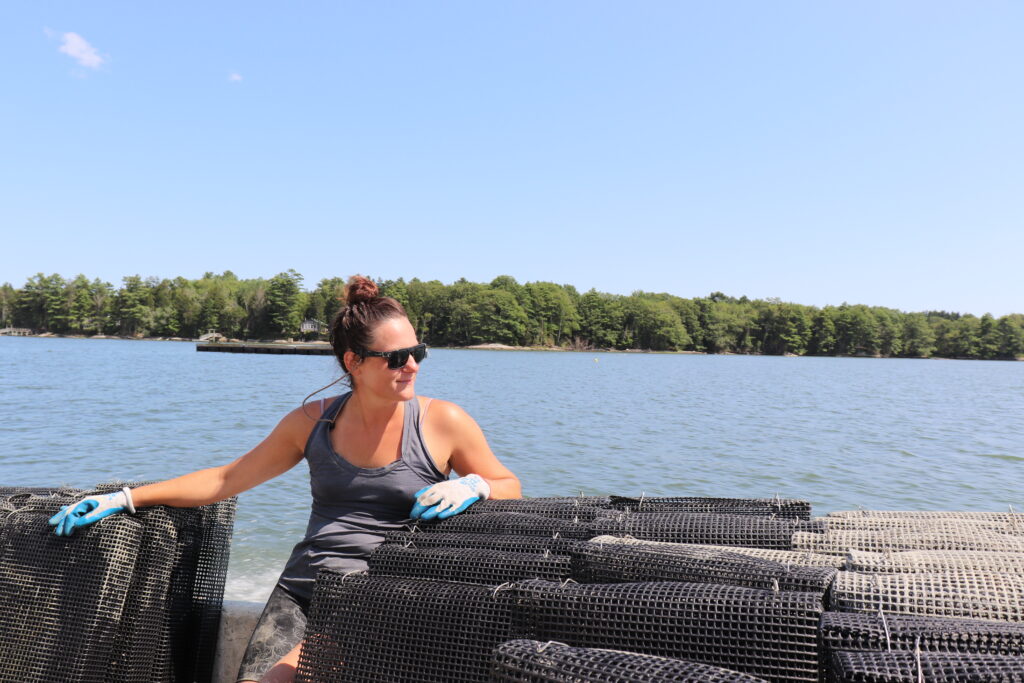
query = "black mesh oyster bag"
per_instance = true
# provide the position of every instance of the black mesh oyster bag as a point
(927, 667)
(381, 628)
(765, 633)
(470, 565)
(517, 523)
(507, 542)
(530, 661)
(702, 528)
(62, 598)
(907, 632)
(784, 508)
(598, 562)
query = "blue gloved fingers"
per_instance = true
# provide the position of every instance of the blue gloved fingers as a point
(57, 517)
(94, 514)
(418, 509)
(450, 513)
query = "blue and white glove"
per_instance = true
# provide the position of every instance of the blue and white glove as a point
(448, 498)
(91, 509)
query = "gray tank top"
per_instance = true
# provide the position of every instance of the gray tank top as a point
(354, 506)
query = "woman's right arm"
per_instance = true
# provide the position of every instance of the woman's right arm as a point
(276, 454)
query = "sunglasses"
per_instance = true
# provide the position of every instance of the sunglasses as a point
(399, 357)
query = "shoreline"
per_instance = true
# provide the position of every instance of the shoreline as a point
(502, 347)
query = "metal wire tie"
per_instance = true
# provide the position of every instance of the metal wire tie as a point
(566, 582)
(498, 588)
(640, 505)
(885, 625)
(917, 659)
(775, 584)
(543, 646)
(348, 574)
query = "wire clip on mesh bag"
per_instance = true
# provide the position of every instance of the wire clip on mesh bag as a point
(62, 598)
(703, 528)
(925, 667)
(530, 661)
(509, 523)
(378, 628)
(597, 562)
(783, 508)
(768, 634)
(961, 593)
(470, 565)
(905, 632)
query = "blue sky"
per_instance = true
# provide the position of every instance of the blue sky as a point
(817, 152)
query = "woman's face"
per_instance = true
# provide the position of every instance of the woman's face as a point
(372, 374)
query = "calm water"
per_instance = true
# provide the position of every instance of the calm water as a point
(842, 433)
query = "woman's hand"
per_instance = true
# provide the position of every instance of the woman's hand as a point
(91, 509)
(449, 498)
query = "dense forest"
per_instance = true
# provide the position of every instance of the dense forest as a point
(507, 312)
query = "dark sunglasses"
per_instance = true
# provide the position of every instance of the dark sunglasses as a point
(399, 357)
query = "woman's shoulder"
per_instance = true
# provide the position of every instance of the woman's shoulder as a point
(443, 414)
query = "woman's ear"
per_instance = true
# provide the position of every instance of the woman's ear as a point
(352, 360)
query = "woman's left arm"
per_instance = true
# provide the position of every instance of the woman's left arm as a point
(470, 453)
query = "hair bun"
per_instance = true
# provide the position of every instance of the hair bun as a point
(360, 289)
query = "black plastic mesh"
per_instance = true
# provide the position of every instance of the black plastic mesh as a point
(935, 561)
(770, 634)
(380, 628)
(711, 529)
(784, 508)
(471, 565)
(196, 589)
(168, 629)
(962, 593)
(927, 667)
(597, 562)
(801, 558)
(530, 661)
(509, 523)
(883, 632)
(62, 599)
(577, 508)
(507, 542)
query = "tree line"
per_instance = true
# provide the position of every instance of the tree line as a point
(506, 312)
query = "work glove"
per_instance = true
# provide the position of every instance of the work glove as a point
(91, 509)
(448, 498)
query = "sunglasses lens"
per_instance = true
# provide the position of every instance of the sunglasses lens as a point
(419, 352)
(398, 359)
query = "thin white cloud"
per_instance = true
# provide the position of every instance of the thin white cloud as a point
(235, 77)
(79, 49)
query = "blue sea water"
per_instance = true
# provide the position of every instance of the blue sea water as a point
(840, 432)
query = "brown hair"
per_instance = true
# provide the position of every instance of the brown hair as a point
(355, 322)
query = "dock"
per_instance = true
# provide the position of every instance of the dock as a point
(301, 349)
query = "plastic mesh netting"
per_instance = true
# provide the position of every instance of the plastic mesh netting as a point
(934, 561)
(597, 562)
(509, 523)
(769, 634)
(942, 525)
(472, 565)
(1010, 517)
(530, 661)
(763, 507)
(507, 542)
(883, 632)
(577, 508)
(926, 667)
(379, 628)
(169, 622)
(839, 542)
(62, 601)
(697, 527)
(801, 558)
(961, 593)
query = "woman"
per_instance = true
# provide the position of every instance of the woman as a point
(373, 453)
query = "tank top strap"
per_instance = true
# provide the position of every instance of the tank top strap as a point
(414, 448)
